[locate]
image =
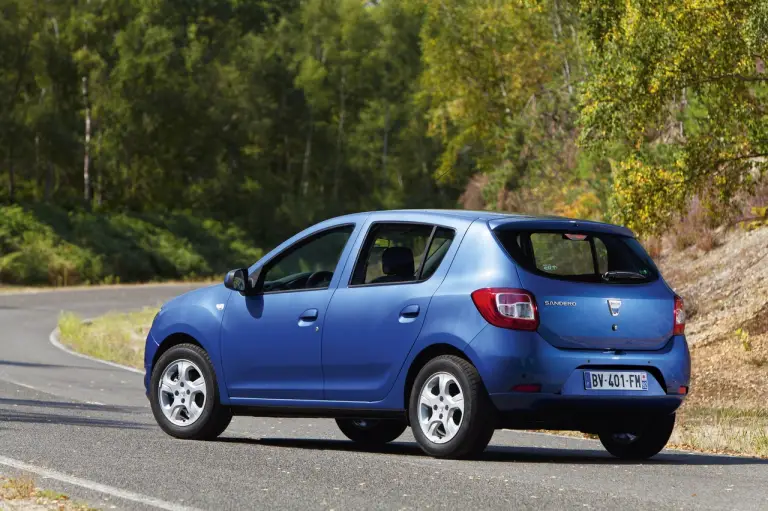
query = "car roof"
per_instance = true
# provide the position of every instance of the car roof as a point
(510, 220)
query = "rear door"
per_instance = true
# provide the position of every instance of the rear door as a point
(374, 320)
(594, 290)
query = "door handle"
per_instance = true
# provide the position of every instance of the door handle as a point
(410, 312)
(309, 315)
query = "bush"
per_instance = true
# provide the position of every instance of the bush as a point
(48, 245)
(695, 227)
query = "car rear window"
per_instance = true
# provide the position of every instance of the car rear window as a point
(587, 257)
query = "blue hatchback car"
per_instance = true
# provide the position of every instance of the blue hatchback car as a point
(455, 323)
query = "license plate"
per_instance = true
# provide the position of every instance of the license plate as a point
(615, 380)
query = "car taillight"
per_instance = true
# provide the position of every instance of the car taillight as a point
(507, 308)
(679, 328)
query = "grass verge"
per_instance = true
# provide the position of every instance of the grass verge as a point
(708, 422)
(116, 337)
(22, 493)
(725, 429)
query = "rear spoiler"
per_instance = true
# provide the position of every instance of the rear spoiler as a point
(558, 224)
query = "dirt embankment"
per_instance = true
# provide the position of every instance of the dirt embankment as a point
(726, 294)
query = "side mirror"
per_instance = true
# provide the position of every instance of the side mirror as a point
(237, 280)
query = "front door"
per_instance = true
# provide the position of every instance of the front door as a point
(270, 343)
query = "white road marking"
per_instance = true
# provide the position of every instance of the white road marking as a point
(21, 384)
(54, 338)
(92, 485)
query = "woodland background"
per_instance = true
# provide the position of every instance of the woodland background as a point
(155, 139)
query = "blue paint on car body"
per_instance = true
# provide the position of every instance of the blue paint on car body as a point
(333, 339)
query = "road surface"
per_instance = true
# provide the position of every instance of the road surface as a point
(85, 428)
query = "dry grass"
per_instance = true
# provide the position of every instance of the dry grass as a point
(726, 297)
(117, 337)
(17, 488)
(653, 245)
(22, 493)
(695, 228)
(726, 410)
(722, 429)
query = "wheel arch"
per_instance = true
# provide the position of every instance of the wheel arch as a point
(420, 360)
(177, 337)
(174, 340)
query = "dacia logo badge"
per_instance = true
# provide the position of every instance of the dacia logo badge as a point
(614, 305)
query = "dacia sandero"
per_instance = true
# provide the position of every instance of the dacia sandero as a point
(452, 323)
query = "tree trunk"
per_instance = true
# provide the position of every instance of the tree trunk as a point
(98, 196)
(385, 148)
(22, 68)
(11, 174)
(304, 184)
(339, 134)
(38, 175)
(286, 139)
(48, 182)
(87, 148)
(558, 31)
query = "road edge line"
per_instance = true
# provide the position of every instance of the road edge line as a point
(94, 486)
(54, 339)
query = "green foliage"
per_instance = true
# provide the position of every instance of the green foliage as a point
(682, 83)
(760, 219)
(272, 115)
(505, 104)
(477, 95)
(47, 245)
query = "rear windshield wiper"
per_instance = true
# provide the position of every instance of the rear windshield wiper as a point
(623, 275)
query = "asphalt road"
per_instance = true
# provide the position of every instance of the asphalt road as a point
(85, 428)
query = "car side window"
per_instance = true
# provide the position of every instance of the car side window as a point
(399, 252)
(441, 242)
(309, 264)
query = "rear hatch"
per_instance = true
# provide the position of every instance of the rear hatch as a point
(595, 289)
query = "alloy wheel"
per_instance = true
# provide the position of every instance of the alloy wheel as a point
(182, 392)
(441, 407)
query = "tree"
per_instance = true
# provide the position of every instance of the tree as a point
(682, 86)
(504, 103)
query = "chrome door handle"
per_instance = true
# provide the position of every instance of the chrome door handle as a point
(410, 312)
(309, 315)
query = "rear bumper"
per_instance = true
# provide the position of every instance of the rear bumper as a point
(507, 358)
(581, 413)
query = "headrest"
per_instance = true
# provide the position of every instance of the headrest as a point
(397, 261)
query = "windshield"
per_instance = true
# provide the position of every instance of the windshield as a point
(586, 257)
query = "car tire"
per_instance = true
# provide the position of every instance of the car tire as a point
(646, 443)
(371, 431)
(435, 390)
(187, 407)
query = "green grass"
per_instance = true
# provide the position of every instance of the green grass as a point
(117, 337)
(49, 246)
